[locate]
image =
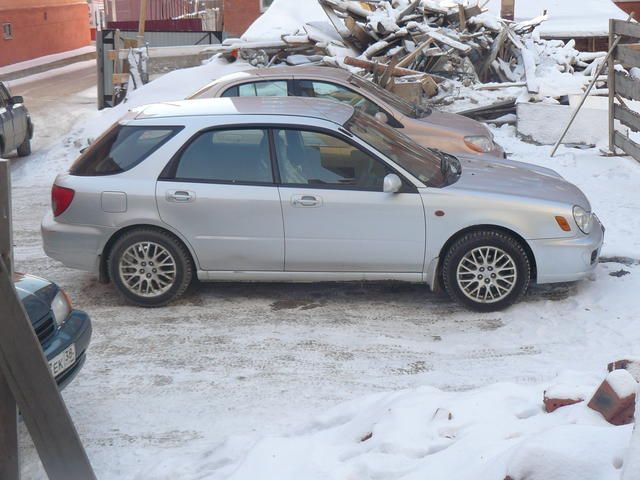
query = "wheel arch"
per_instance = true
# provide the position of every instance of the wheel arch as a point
(480, 228)
(103, 270)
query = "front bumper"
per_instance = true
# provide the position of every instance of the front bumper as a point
(76, 330)
(568, 259)
(76, 246)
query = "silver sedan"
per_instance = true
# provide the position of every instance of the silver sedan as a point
(305, 190)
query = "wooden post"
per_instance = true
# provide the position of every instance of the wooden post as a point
(26, 372)
(611, 84)
(141, 22)
(9, 466)
(507, 9)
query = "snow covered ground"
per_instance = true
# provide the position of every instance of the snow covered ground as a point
(344, 381)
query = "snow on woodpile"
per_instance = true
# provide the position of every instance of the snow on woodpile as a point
(457, 56)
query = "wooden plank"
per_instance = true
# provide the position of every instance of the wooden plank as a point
(9, 465)
(626, 144)
(43, 410)
(628, 117)
(612, 83)
(628, 54)
(622, 27)
(627, 86)
(442, 38)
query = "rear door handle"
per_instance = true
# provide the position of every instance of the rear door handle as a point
(180, 196)
(306, 201)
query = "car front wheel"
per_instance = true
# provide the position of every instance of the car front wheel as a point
(486, 270)
(150, 267)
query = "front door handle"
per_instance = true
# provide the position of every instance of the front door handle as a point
(306, 201)
(180, 196)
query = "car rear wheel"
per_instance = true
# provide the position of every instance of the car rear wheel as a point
(150, 267)
(25, 148)
(486, 270)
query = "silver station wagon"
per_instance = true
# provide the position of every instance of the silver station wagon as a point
(305, 190)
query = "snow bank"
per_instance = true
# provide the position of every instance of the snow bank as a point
(567, 18)
(482, 434)
(284, 17)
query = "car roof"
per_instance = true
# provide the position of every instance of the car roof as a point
(311, 71)
(255, 74)
(264, 106)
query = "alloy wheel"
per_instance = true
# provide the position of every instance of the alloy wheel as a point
(486, 274)
(147, 269)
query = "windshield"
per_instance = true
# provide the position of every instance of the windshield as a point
(411, 111)
(426, 165)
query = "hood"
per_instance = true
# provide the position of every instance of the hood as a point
(520, 180)
(36, 295)
(456, 123)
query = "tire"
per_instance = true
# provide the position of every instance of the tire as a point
(479, 268)
(140, 265)
(25, 148)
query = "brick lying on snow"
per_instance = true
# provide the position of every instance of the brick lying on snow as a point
(615, 398)
(630, 365)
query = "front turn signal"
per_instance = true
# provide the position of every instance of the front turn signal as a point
(562, 223)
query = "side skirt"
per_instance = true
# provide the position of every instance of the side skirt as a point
(309, 277)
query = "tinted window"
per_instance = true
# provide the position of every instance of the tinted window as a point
(228, 156)
(121, 148)
(314, 158)
(276, 88)
(331, 91)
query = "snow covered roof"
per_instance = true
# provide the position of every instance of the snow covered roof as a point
(297, 106)
(567, 18)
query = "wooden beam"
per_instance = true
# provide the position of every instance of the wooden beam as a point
(629, 146)
(628, 117)
(626, 28)
(626, 86)
(628, 54)
(612, 83)
(9, 464)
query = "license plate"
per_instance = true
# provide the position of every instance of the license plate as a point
(63, 361)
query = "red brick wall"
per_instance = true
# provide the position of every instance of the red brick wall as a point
(43, 30)
(239, 14)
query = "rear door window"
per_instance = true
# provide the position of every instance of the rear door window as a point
(227, 156)
(276, 88)
(121, 148)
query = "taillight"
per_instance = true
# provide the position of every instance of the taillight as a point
(61, 198)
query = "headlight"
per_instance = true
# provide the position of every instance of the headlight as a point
(583, 219)
(479, 143)
(61, 307)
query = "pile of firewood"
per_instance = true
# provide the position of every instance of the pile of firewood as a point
(417, 48)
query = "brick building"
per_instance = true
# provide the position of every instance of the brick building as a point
(239, 14)
(33, 28)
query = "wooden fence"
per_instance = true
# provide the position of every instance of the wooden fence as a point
(26, 380)
(623, 87)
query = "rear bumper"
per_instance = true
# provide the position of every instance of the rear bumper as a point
(76, 246)
(76, 330)
(568, 259)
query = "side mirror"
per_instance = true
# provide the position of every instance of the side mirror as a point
(16, 99)
(392, 183)
(381, 117)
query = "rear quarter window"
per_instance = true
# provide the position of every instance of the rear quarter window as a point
(121, 148)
